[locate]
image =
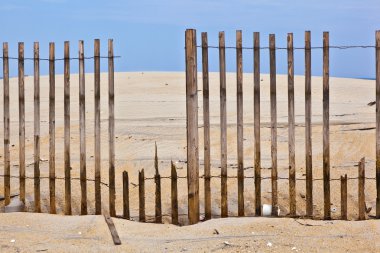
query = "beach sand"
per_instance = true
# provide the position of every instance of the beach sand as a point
(150, 107)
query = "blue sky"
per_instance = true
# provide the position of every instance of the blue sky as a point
(149, 35)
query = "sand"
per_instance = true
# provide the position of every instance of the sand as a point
(150, 107)
(20, 232)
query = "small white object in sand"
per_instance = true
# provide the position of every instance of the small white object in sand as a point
(334, 209)
(269, 244)
(227, 243)
(294, 248)
(13, 240)
(79, 233)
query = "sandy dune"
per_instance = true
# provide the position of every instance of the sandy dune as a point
(150, 107)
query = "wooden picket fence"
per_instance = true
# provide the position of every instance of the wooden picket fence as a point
(52, 144)
(192, 127)
(193, 176)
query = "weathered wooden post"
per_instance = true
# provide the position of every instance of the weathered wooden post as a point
(206, 126)
(82, 129)
(343, 197)
(378, 124)
(291, 128)
(126, 214)
(174, 194)
(273, 124)
(192, 126)
(52, 127)
(141, 196)
(157, 181)
(361, 192)
(37, 191)
(7, 164)
(240, 136)
(98, 192)
(256, 118)
(223, 125)
(111, 129)
(326, 128)
(308, 142)
(21, 97)
(67, 128)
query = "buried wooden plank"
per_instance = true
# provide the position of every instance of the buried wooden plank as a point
(112, 228)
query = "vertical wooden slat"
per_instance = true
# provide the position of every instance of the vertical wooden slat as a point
(82, 129)
(111, 129)
(326, 128)
(174, 195)
(206, 127)
(378, 124)
(52, 127)
(157, 180)
(273, 107)
(256, 116)
(7, 164)
(37, 198)
(141, 196)
(126, 214)
(192, 126)
(98, 192)
(21, 97)
(239, 95)
(67, 128)
(361, 185)
(343, 197)
(308, 143)
(291, 128)
(223, 125)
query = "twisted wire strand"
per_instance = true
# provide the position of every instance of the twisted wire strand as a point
(295, 48)
(59, 59)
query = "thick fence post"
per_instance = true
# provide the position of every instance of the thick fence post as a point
(52, 127)
(343, 197)
(192, 126)
(141, 196)
(326, 128)
(82, 129)
(7, 164)
(126, 214)
(206, 127)
(256, 116)
(308, 142)
(378, 124)
(111, 129)
(37, 192)
(223, 125)
(240, 148)
(174, 195)
(361, 192)
(67, 128)
(157, 180)
(98, 191)
(291, 128)
(273, 124)
(21, 97)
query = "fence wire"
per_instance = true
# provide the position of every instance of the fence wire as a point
(262, 178)
(56, 178)
(295, 48)
(59, 59)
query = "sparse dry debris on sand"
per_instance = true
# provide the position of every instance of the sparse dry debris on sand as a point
(28, 232)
